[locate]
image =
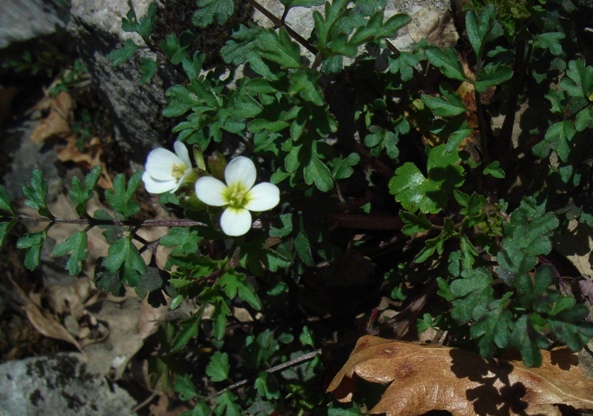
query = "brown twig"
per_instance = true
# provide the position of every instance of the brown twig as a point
(305, 357)
(280, 23)
(177, 222)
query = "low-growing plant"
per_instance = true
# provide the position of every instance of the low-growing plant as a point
(382, 172)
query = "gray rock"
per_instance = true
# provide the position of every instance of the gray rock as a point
(58, 385)
(136, 109)
(23, 20)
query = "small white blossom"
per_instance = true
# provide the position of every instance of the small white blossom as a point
(165, 171)
(238, 195)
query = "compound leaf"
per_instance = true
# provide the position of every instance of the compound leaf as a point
(32, 242)
(36, 193)
(76, 245)
(120, 197)
(81, 193)
(213, 11)
(218, 367)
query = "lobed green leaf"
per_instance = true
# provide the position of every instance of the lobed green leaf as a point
(32, 242)
(82, 193)
(120, 197)
(213, 11)
(36, 194)
(76, 245)
(218, 367)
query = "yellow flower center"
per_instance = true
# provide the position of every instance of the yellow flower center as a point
(237, 195)
(178, 170)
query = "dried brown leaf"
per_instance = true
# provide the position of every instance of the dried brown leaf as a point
(43, 323)
(90, 156)
(70, 297)
(57, 122)
(426, 377)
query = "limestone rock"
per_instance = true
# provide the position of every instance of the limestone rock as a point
(59, 385)
(23, 20)
(136, 109)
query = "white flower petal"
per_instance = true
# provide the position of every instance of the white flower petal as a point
(263, 196)
(159, 164)
(181, 151)
(154, 186)
(235, 222)
(211, 191)
(240, 169)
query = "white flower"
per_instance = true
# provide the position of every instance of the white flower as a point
(165, 170)
(238, 195)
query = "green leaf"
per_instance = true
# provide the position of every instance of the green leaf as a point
(174, 50)
(124, 255)
(478, 27)
(219, 319)
(288, 4)
(414, 223)
(405, 64)
(429, 195)
(76, 245)
(493, 329)
(150, 281)
(450, 105)
(235, 284)
(108, 281)
(120, 197)
(584, 119)
(326, 22)
(148, 69)
(304, 82)
(579, 79)
(342, 167)
(303, 249)
(473, 293)
(244, 47)
(81, 194)
(549, 41)
(494, 170)
(286, 220)
(491, 75)
(188, 330)
(5, 227)
(527, 236)
(375, 28)
(142, 26)
(32, 242)
(36, 193)
(121, 55)
(5, 205)
(558, 138)
(185, 387)
(266, 386)
(213, 11)
(318, 173)
(380, 138)
(226, 406)
(447, 61)
(571, 327)
(184, 240)
(218, 367)
(414, 191)
(280, 48)
(528, 341)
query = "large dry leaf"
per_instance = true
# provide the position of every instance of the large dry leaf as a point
(425, 378)
(42, 322)
(90, 156)
(57, 123)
